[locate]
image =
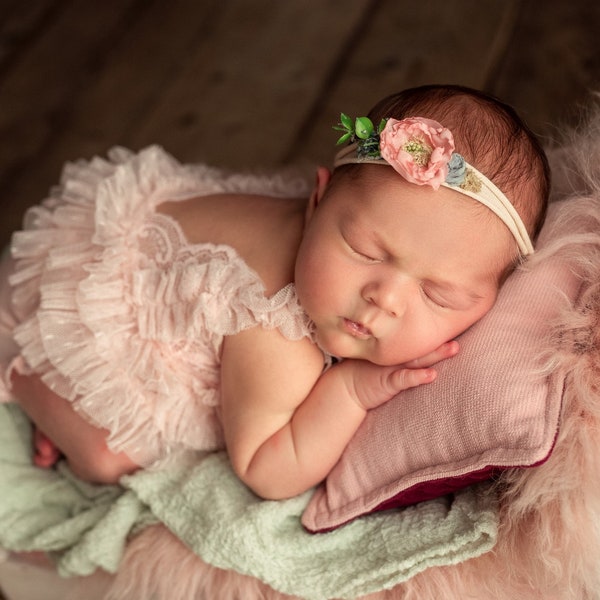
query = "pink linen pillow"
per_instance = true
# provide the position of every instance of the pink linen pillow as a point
(491, 407)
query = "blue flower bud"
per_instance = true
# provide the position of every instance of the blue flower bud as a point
(456, 169)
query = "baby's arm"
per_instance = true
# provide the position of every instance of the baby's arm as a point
(286, 424)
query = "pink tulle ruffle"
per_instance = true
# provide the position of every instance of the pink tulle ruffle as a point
(122, 316)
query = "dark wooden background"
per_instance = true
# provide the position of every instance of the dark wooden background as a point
(258, 83)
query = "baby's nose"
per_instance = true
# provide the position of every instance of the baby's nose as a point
(389, 295)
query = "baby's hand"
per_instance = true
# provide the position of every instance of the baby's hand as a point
(373, 385)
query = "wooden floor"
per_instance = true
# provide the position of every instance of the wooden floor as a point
(258, 83)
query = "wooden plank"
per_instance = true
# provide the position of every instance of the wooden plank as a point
(552, 63)
(40, 89)
(137, 72)
(19, 23)
(101, 83)
(409, 44)
(251, 79)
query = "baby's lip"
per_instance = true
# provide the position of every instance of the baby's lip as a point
(357, 329)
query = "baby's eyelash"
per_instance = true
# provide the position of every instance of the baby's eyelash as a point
(359, 253)
(363, 255)
(432, 298)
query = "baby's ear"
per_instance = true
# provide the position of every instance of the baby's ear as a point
(323, 176)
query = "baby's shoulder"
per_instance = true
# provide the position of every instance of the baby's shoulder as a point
(263, 230)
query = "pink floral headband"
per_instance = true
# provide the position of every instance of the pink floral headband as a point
(422, 151)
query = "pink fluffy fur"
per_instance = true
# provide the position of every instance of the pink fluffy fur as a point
(549, 540)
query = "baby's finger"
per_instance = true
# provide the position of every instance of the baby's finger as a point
(403, 379)
(446, 350)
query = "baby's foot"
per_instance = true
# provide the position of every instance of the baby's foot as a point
(46, 454)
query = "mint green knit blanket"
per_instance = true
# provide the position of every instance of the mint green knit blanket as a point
(85, 527)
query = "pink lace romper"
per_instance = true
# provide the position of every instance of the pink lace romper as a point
(121, 315)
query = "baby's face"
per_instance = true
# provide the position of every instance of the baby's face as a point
(388, 271)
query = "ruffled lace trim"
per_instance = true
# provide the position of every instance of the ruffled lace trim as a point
(125, 318)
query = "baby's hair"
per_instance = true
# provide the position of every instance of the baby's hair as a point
(490, 135)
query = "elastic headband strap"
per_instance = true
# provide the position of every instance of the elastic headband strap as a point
(488, 194)
(492, 197)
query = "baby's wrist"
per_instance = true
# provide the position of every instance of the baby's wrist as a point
(349, 372)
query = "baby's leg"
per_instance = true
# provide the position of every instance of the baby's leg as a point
(83, 445)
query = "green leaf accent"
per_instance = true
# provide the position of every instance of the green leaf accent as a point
(346, 122)
(344, 138)
(362, 131)
(363, 127)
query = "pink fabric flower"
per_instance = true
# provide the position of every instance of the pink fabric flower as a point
(419, 149)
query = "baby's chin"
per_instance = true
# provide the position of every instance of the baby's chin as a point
(342, 351)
